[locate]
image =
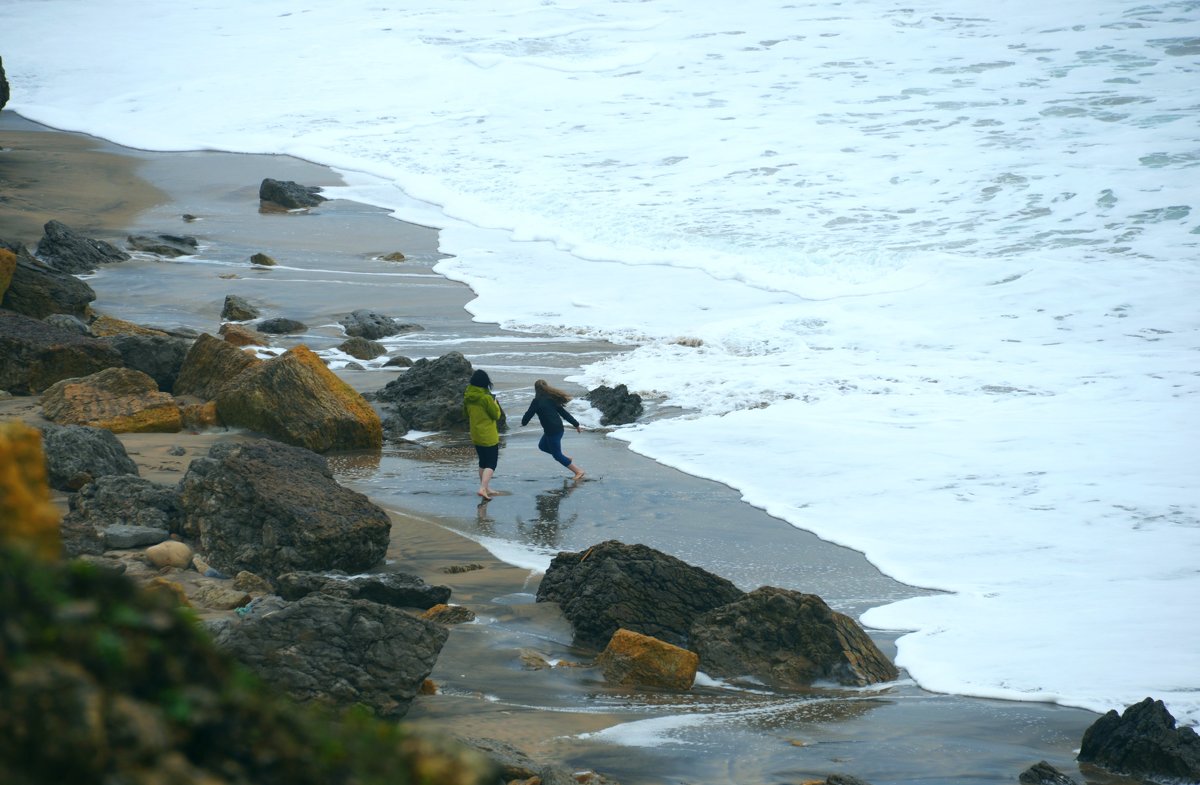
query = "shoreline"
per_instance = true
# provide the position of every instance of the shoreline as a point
(435, 532)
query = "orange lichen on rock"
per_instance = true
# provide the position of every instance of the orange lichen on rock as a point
(8, 265)
(27, 517)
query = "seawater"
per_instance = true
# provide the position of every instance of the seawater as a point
(921, 277)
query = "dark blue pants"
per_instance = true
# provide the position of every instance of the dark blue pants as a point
(551, 443)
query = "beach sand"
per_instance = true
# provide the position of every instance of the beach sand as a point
(491, 675)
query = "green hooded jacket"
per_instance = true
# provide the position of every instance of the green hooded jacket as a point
(483, 413)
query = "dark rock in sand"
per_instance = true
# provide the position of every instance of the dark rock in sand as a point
(280, 326)
(117, 500)
(209, 365)
(38, 290)
(238, 309)
(400, 590)
(169, 245)
(362, 349)
(158, 356)
(373, 326)
(613, 585)
(4, 93)
(295, 398)
(787, 639)
(289, 194)
(1042, 773)
(70, 252)
(37, 355)
(338, 651)
(617, 405)
(270, 509)
(1143, 742)
(429, 395)
(78, 454)
(263, 260)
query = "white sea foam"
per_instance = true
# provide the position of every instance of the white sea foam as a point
(936, 265)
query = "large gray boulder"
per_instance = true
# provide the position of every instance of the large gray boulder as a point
(37, 355)
(78, 454)
(337, 651)
(38, 290)
(429, 395)
(787, 639)
(68, 251)
(270, 508)
(613, 585)
(373, 325)
(1143, 742)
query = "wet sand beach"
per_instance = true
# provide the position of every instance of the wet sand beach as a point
(491, 675)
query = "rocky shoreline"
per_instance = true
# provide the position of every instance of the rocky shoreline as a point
(279, 561)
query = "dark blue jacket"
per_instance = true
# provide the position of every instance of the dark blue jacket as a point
(550, 414)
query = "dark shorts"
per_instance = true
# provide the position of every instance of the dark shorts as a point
(489, 457)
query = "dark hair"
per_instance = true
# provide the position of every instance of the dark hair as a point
(481, 379)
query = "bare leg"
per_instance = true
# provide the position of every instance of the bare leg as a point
(485, 476)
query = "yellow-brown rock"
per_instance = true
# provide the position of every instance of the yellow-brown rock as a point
(107, 327)
(241, 335)
(642, 661)
(8, 265)
(121, 400)
(170, 553)
(295, 399)
(28, 519)
(199, 416)
(449, 614)
(210, 364)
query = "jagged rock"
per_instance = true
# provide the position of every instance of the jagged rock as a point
(209, 365)
(37, 355)
(429, 395)
(612, 585)
(449, 614)
(78, 454)
(397, 589)
(38, 290)
(169, 245)
(289, 194)
(280, 326)
(296, 399)
(104, 326)
(787, 639)
(1143, 742)
(270, 509)
(617, 405)
(158, 356)
(119, 399)
(240, 335)
(362, 349)
(1042, 773)
(642, 661)
(238, 309)
(338, 651)
(8, 266)
(373, 326)
(117, 500)
(66, 250)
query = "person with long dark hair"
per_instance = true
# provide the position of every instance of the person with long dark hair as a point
(483, 414)
(548, 404)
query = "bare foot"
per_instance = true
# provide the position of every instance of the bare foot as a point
(578, 475)
(487, 497)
